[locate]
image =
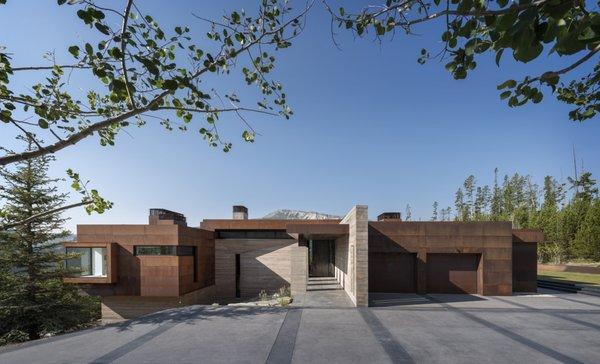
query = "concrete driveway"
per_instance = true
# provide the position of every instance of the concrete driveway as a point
(555, 327)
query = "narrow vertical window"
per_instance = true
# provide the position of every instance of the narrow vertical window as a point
(237, 276)
(195, 264)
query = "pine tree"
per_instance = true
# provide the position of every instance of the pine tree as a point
(434, 215)
(34, 300)
(459, 205)
(496, 203)
(469, 186)
(587, 240)
(585, 187)
(445, 214)
(549, 222)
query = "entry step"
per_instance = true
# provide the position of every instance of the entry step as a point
(322, 284)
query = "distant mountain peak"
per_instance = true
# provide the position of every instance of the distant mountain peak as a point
(284, 214)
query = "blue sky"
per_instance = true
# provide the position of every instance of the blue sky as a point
(371, 126)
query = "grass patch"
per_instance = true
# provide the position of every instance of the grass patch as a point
(570, 277)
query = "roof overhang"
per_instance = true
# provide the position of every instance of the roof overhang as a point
(317, 231)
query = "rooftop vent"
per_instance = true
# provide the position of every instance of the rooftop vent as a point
(240, 212)
(157, 215)
(387, 216)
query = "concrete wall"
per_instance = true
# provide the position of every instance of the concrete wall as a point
(264, 265)
(119, 308)
(357, 274)
(299, 268)
(342, 263)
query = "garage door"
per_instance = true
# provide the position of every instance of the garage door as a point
(392, 272)
(452, 273)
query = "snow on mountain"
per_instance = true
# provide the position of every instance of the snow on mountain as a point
(284, 214)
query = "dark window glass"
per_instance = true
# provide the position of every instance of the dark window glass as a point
(185, 250)
(232, 234)
(180, 250)
(238, 274)
(252, 234)
(260, 235)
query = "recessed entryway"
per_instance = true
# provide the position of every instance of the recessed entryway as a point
(321, 258)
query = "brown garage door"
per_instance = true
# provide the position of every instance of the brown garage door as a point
(452, 273)
(392, 272)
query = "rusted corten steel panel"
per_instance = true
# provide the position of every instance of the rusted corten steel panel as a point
(153, 275)
(257, 224)
(528, 235)
(392, 272)
(492, 240)
(453, 273)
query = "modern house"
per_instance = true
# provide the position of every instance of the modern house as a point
(141, 268)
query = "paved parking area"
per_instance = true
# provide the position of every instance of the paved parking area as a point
(547, 327)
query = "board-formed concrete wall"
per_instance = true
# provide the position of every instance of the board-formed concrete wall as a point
(264, 265)
(357, 274)
(299, 268)
(342, 263)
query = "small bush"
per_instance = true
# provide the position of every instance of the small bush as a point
(263, 296)
(285, 291)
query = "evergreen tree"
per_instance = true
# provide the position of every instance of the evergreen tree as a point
(496, 203)
(469, 186)
(434, 215)
(445, 214)
(549, 222)
(460, 206)
(34, 300)
(587, 239)
(585, 187)
(482, 201)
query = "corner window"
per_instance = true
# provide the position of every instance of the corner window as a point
(177, 250)
(90, 262)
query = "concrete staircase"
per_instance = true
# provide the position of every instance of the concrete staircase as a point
(323, 284)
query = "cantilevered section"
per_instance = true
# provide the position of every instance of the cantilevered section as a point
(306, 231)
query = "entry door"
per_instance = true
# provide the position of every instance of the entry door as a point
(321, 258)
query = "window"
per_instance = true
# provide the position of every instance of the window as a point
(238, 274)
(90, 262)
(178, 250)
(252, 234)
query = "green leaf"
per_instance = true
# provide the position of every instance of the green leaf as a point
(505, 94)
(527, 52)
(103, 28)
(507, 84)
(43, 123)
(74, 50)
